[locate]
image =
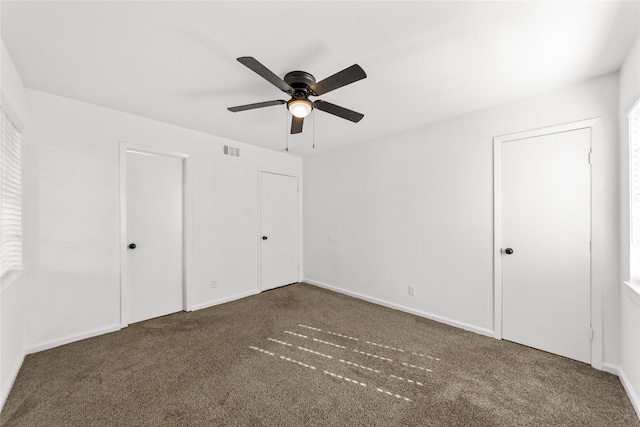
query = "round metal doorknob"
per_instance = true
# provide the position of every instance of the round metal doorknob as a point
(132, 245)
(508, 251)
(264, 237)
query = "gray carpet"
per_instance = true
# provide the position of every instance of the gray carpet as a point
(301, 355)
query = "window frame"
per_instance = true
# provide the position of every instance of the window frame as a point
(11, 253)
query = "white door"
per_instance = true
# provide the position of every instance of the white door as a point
(154, 225)
(279, 228)
(546, 232)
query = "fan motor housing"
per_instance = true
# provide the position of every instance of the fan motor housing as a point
(300, 81)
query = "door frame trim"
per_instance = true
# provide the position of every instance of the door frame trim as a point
(593, 125)
(259, 225)
(125, 148)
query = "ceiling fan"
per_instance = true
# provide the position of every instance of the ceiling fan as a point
(300, 85)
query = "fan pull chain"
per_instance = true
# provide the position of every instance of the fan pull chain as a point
(286, 128)
(314, 130)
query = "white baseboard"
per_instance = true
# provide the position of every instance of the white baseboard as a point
(12, 375)
(450, 322)
(611, 368)
(633, 396)
(72, 338)
(223, 300)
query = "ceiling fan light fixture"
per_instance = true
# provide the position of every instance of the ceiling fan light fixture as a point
(299, 85)
(300, 107)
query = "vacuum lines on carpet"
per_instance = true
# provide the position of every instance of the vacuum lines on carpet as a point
(357, 351)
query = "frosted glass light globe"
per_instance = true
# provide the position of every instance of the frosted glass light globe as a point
(300, 107)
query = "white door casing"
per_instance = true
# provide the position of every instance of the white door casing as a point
(154, 218)
(543, 290)
(279, 230)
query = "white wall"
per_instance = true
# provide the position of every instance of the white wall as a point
(72, 224)
(12, 288)
(417, 209)
(629, 299)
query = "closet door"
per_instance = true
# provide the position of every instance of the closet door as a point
(154, 195)
(546, 242)
(279, 227)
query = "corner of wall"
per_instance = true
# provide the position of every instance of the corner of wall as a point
(13, 97)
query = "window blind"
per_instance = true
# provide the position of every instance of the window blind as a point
(10, 197)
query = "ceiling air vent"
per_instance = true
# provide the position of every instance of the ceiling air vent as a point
(228, 150)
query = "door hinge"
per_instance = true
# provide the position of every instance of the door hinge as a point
(590, 334)
(590, 157)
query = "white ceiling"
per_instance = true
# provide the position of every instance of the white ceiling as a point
(425, 61)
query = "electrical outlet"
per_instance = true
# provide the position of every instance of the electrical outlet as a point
(412, 290)
(214, 284)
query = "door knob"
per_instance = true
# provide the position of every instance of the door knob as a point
(264, 237)
(508, 251)
(132, 245)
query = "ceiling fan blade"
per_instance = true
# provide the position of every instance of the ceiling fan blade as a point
(256, 105)
(339, 79)
(339, 111)
(296, 124)
(253, 64)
